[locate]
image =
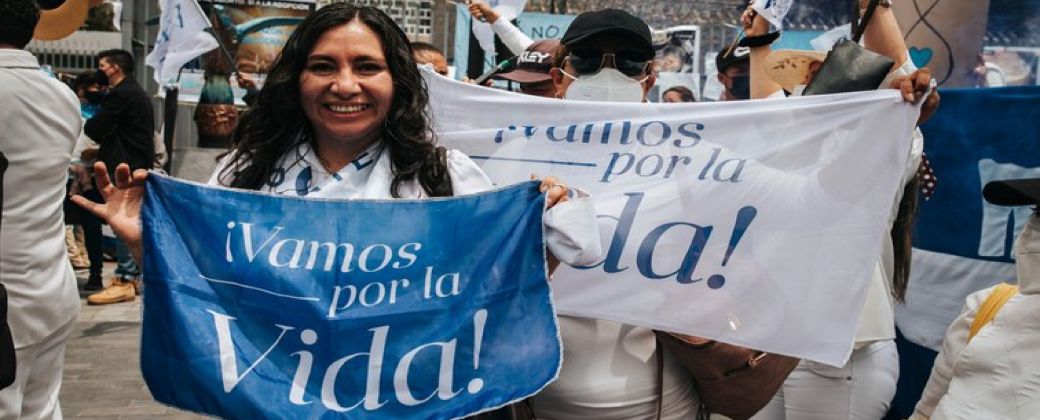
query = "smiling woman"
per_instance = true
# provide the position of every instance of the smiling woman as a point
(345, 80)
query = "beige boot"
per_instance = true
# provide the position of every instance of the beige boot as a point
(118, 291)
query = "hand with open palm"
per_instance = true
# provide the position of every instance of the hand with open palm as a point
(122, 206)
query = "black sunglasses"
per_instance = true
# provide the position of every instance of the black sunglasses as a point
(591, 61)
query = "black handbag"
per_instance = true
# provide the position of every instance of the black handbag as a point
(849, 67)
(7, 355)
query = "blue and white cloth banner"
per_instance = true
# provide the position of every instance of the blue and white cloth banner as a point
(756, 223)
(963, 244)
(263, 306)
(182, 37)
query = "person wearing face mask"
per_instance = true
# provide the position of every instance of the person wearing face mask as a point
(605, 57)
(734, 65)
(611, 370)
(988, 368)
(89, 91)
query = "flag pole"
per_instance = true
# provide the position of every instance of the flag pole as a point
(220, 40)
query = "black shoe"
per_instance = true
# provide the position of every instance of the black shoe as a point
(93, 285)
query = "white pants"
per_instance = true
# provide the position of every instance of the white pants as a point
(34, 393)
(860, 390)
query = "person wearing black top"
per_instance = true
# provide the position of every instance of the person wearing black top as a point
(124, 128)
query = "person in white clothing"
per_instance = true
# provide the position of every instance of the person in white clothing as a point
(994, 375)
(612, 370)
(41, 121)
(514, 39)
(863, 388)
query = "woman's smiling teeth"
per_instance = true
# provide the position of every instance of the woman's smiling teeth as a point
(347, 109)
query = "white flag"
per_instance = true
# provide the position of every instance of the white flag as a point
(773, 10)
(756, 223)
(506, 9)
(182, 37)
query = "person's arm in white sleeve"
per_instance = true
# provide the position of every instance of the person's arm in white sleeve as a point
(513, 38)
(571, 232)
(954, 342)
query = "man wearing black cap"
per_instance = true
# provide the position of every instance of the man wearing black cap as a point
(532, 69)
(994, 377)
(734, 66)
(606, 56)
(611, 370)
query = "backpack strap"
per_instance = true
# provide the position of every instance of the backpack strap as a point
(996, 299)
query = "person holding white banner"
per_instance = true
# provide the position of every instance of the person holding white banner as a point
(864, 387)
(351, 124)
(611, 370)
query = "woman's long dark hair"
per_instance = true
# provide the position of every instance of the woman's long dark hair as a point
(902, 239)
(276, 124)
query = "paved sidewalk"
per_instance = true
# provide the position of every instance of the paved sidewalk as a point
(102, 366)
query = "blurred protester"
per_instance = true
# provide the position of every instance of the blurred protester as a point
(514, 39)
(426, 53)
(863, 388)
(734, 73)
(610, 370)
(676, 94)
(532, 69)
(88, 88)
(40, 124)
(988, 368)
(124, 128)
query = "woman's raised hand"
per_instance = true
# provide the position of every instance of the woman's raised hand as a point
(555, 191)
(122, 206)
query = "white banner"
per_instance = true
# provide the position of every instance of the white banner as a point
(182, 37)
(756, 223)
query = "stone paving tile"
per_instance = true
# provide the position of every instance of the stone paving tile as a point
(102, 377)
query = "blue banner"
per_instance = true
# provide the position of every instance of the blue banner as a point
(263, 306)
(963, 244)
(978, 136)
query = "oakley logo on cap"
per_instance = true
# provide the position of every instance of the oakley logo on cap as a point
(534, 57)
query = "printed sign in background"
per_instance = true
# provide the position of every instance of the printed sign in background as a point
(945, 36)
(962, 243)
(263, 306)
(755, 223)
(259, 29)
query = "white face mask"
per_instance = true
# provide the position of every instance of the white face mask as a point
(606, 85)
(1027, 256)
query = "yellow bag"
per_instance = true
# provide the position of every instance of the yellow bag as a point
(996, 299)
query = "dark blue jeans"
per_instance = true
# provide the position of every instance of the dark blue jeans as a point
(126, 267)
